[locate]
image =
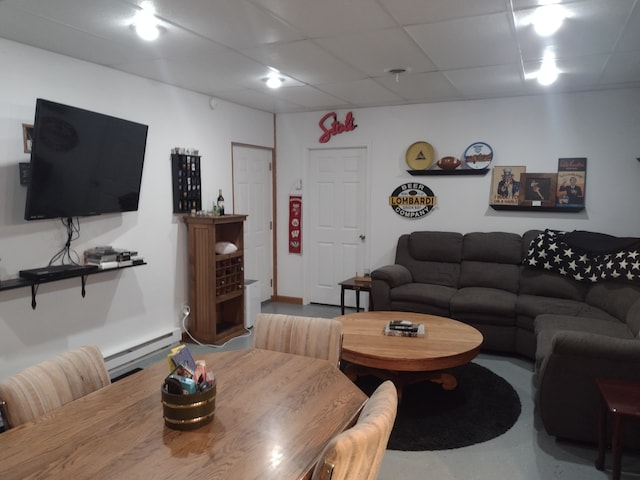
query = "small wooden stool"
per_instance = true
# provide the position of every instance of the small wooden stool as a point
(621, 398)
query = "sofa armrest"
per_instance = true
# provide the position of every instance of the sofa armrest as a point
(567, 397)
(591, 345)
(393, 275)
(383, 279)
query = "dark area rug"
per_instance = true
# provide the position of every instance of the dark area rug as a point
(483, 406)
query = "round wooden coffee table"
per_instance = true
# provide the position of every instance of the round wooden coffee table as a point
(447, 343)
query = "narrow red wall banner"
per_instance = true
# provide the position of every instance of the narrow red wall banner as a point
(295, 224)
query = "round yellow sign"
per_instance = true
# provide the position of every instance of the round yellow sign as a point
(419, 156)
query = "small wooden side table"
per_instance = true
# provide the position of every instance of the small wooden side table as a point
(358, 286)
(621, 398)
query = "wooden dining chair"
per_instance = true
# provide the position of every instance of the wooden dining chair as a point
(43, 387)
(308, 336)
(356, 453)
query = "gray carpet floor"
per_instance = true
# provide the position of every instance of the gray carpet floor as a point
(525, 452)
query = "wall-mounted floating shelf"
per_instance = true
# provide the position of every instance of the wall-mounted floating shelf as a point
(523, 208)
(466, 171)
(34, 284)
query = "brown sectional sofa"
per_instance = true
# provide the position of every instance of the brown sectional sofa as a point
(575, 330)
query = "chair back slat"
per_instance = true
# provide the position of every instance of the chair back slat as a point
(356, 453)
(308, 336)
(42, 388)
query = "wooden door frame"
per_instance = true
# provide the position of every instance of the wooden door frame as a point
(274, 196)
(368, 194)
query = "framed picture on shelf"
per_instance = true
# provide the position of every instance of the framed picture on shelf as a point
(571, 183)
(505, 184)
(538, 189)
(27, 137)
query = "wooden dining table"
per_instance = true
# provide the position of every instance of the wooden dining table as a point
(274, 414)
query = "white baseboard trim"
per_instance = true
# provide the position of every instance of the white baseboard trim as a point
(122, 361)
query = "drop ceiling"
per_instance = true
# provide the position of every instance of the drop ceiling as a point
(334, 54)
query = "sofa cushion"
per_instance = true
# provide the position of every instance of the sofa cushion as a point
(436, 246)
(491, 260)
(485, 301)
(548, 284)
(534, 305)
(431, 257)
(494, 247)
(605, 326)
(615, 298)
(490, 275)
(633, 319)
(438, 295)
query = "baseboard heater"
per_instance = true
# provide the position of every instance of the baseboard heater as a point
(124, 360)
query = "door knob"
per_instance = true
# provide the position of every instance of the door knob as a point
(362, 237)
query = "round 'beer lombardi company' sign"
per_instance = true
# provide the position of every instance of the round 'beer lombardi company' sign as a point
(412, 200)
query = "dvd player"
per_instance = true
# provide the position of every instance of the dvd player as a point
(56, 271)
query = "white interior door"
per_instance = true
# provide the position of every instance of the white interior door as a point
(252, 195)
(336, 202)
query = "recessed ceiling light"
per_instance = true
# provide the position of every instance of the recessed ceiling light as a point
(148, 32)
(146, 25)
(548, 19)
(273, 82)
(274, 79)
(548, 72)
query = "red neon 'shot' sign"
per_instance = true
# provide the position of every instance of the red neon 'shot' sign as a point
(335, 127)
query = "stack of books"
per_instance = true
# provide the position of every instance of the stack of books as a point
(404, 328)
(108, 257)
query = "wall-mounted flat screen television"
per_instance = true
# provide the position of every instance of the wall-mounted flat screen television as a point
(83, 163)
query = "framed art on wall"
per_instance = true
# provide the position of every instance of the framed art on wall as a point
(505, 184)
(27, 136)
(571, 183)
(538, 189)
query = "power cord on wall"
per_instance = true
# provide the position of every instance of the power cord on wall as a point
(186, 311)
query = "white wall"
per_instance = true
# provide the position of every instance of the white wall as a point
(530, 131)
(132, 304)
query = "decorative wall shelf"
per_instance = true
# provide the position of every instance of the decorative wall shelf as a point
(518, 208)
(187, 188)
(34, 284)
(466, 171)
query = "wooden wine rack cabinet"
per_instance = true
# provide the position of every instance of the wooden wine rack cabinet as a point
(216, 281)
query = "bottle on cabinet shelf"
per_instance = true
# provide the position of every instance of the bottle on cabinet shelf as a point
(220, 202)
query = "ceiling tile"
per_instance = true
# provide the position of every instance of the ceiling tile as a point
(235, 23)
(575, 72)
(373, 52)
(363, 93)
(468, 42)
(412, 12)
(307, 97)
(261, 101)
(201, 78)
(304, 61)
(630, 39)
(324, 18)
(623, 67)
(421, 87)
(17, 25)
(488, 81)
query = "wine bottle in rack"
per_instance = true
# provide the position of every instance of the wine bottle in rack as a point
(220, 202)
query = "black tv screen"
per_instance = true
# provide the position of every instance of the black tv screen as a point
(83, 163)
